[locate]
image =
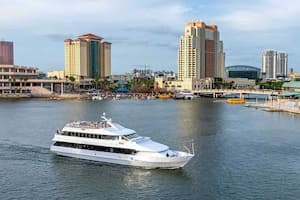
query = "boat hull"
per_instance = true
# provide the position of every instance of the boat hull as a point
(138, 160)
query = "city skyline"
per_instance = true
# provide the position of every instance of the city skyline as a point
(148, 32)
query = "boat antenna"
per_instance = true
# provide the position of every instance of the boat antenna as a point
(104, 116)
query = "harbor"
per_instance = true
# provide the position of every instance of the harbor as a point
(239, 152)
(163, 100)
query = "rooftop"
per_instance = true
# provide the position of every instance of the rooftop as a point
(203, 25)
(90, 36)
(291, 84)
(3, 41)
(18, 66)
(242, 67)
(290, 94)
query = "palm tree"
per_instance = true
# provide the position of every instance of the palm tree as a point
(93, 82)
(106, 83)
(97, 81)
(72, 79)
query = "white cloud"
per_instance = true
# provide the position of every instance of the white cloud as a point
(244, 25)
(70, 15)
(264, 15)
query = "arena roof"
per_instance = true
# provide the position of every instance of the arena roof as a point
(242, 68)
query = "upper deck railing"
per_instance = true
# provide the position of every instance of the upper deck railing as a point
(88, 125)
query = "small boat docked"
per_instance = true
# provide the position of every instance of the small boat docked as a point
(109, 142)
(164, 96)
(97, 97)
(235, 101)
(187, 95)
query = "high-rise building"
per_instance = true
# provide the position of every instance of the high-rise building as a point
(6, 53)
(87, 57)
(282, 64)
(221, 61)
(274, 64)
(105, 59)
(200, 53)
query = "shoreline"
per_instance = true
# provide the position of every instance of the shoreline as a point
(48, 97)
(79, 96)
(280, 105)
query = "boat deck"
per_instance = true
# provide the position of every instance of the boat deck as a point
(88, 125)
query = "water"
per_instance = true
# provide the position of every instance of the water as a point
(241, 153)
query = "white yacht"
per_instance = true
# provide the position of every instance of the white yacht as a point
(110, 142)
(184, 95)
(97, 97)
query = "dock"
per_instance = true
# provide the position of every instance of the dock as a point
(291, 106)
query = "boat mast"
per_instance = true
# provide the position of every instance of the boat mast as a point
(109, 121)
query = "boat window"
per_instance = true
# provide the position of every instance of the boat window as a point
(95, 148)
(109, 137)
(96, 136)
(131, 136)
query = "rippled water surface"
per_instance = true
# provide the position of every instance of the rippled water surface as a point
(241, 153)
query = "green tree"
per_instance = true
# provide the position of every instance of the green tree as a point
(142, 85)
(106, 83)
(273, 85)
(218, 82)
(72, 79)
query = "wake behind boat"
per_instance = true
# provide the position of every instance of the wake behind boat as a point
(109, 142)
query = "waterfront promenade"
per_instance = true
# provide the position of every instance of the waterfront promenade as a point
(241, 92)
(280, 105)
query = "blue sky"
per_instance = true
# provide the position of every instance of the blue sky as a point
(146, 32)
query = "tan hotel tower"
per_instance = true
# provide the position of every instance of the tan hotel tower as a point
(200, 53)
(87, 56)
